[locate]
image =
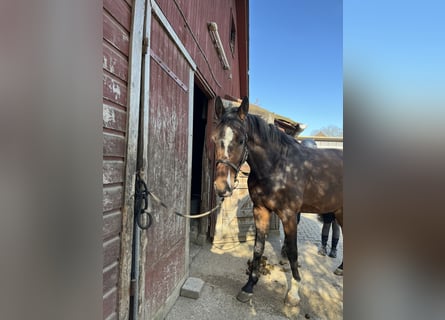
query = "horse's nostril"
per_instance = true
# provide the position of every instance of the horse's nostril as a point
(225, 191)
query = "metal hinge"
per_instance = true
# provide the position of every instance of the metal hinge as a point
(145, 45)
(133, 284)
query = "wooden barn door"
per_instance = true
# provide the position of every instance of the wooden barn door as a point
(148, 127)
(168, 86)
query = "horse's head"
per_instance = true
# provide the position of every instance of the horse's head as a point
(230, 138)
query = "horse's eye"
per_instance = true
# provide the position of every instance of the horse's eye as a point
(241, 141)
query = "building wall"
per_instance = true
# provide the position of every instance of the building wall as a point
(115, 44)
(325, 142)
(164, 251)
(189, 19)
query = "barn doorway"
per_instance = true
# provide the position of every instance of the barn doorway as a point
(198, 227)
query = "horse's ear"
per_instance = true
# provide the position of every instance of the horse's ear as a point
(219, 108)
(243, 108)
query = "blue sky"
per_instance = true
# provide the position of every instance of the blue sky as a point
(397, 46)
(296, 60)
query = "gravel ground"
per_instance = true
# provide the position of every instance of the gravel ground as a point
(223, 268)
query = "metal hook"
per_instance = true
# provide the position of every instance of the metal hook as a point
(144, 223)
(141, 204)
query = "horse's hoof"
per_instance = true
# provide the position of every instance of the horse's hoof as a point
(338, 272)
(291, 300)
(244, 296)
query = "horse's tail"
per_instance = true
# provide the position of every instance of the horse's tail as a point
(326, 217)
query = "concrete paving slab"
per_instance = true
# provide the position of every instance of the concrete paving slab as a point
(192, 288)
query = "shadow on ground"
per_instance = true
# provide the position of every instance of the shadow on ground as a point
(223, 268)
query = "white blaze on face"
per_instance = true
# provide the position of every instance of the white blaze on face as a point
(228, 178)
(228, 137)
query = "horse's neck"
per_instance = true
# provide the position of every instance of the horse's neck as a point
(260, 158)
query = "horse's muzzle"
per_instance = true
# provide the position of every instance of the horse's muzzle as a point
(223, 193)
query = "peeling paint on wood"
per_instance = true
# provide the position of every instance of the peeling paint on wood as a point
(115, 62)
(116, 45)
(112, 198)
(168, 133)
(114, 90)
(167, 173)
(163, 277)
(114, 118)
(112, 172)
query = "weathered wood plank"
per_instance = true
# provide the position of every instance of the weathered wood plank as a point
(113, 146)
(109, 277)
(168, 148)
(109, 305)
(114, 62)
(167, 173)
(111, 249)
(112, 316)
(134, 95)
(114, 89)
(120, 10)
(112, 172)
(115, 34)
(163, 277)
(114, 118)
(112, 198)
(112, 224)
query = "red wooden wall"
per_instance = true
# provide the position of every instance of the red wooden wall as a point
(116, 37)
(197, 13)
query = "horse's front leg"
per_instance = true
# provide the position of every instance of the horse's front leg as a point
(290, 230)
(262, 219)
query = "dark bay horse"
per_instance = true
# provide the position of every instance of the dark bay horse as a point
(285, 178)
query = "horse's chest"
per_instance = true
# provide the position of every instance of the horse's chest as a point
(272, 193)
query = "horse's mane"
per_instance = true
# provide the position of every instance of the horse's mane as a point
(256, 125)
(268, 133)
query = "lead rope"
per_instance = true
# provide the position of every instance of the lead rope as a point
(196, 216)
(159, 201)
